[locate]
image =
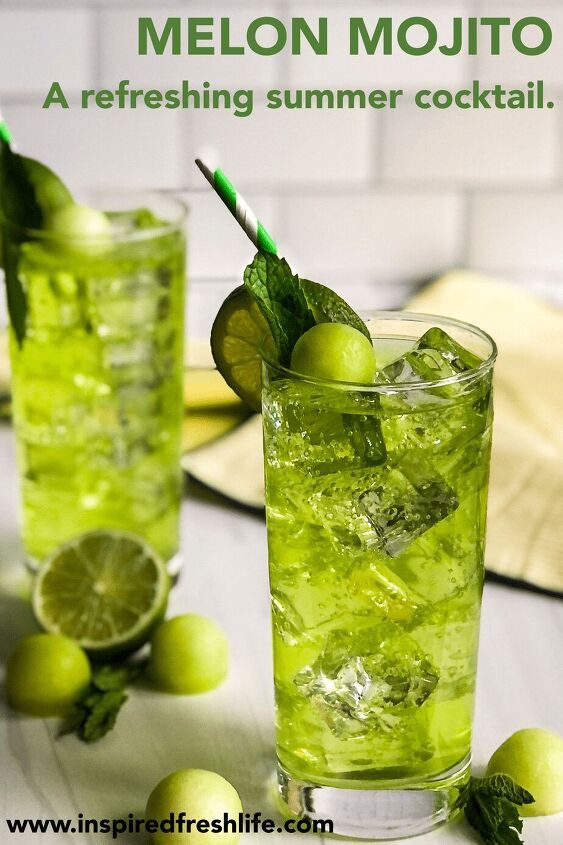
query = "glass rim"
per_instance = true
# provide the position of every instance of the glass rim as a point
(400, 387)
(165, 228)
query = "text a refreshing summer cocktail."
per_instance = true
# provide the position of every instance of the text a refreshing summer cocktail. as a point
(97, 382)
(376, 508)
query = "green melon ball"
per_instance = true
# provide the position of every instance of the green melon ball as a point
(79, 228)
(200, 795)
(335, 352)
(46, 674)
(189, 654)
(533, 757)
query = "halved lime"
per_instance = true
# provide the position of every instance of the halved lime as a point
(238, 336)
(105, 589)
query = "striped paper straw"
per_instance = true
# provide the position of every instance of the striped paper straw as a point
(239, 208)
(5, 133)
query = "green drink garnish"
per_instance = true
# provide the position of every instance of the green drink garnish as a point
(46, 674)
(266, 317)
(189, 655)
(533, 757)
(334, 352)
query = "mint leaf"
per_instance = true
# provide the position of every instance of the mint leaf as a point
(17, 196)
(15, 293)
(95, 713)
(492, 809)
(280, 297)
(504, 787)
(112, 677)
(292, 305)
(328, 307)
(29, 193)
(29, 190)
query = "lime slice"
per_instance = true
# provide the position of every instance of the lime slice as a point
(105, 589)
(238, 336)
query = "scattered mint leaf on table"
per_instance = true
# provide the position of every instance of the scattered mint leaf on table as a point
(96, 711)
(492, 809)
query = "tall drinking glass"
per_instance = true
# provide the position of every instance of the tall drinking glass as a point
(376, 508)
(97, 377)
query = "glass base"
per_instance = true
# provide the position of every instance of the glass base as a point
(386, 812)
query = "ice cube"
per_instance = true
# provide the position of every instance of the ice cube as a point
(134, 352)
(367, 679)
(122, 303)
(448, 630)
(332, 502)
(126, 222)
(434, 356)
(46, 308)
(321, 430)
(411, 499)
(438, 429)
(286, 621)
(383, 508)
(51, 410)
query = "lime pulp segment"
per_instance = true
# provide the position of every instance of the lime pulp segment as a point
(105, 589)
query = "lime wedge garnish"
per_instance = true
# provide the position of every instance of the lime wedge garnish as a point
(105, 589)
(238, 337)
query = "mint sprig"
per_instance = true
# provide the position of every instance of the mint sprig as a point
(280, 297)
(291, 305)
(96, 711)
(29, 192)
(492, 809)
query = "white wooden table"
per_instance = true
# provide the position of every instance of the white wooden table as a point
(230, 730)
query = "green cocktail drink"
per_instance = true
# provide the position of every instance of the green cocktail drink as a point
(97, 377)
(376, 509)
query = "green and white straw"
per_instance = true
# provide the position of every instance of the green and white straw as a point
(239, 208)
(5, 134)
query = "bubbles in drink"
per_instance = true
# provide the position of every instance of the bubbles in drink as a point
(376, 514)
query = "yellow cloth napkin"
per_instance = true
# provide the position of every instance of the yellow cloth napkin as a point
(525, 523)
(525, 526)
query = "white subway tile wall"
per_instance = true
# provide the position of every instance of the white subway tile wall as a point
(373, 202)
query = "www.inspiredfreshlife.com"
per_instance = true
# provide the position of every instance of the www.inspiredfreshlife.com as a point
(174, 823)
